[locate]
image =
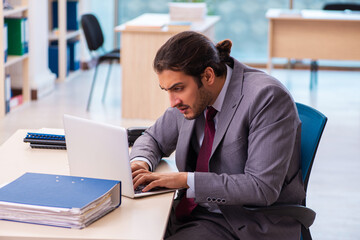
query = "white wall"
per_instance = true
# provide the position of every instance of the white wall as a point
(104, 11)
(41, 78)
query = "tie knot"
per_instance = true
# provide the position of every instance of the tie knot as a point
(210, 114)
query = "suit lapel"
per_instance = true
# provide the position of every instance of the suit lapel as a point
(231, 102)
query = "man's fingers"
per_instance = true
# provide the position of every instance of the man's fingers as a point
(137, 178)
(142, 178)
(137, 165)
(168, 180)
(139, 171)
(153, 184)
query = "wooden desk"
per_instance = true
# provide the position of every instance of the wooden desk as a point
(141, 96)
(144, 218)
(313, 34)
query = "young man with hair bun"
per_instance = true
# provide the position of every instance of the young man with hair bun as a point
(236, 133)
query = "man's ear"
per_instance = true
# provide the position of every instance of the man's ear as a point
(208, 76)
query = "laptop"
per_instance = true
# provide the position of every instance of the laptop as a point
(100, 150)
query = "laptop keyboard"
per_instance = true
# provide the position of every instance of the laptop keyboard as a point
(141, 187)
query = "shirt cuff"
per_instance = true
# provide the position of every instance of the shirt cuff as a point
(190, 193)
(144, 160)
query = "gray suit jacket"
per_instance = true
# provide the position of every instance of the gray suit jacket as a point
(255, 157)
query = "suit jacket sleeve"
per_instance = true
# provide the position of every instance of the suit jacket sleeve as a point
(159, 140)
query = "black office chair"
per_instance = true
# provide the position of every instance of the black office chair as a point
(95, 40)
(313, 124)
(341, 6)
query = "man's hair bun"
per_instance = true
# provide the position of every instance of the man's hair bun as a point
(224, 48)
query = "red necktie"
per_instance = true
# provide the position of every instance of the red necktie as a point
(187, 205)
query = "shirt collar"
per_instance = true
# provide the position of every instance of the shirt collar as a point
(220, 99)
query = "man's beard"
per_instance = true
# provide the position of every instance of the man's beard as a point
(200, 105)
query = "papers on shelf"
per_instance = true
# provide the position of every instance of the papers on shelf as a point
(146, 22)
(313, 14)
(149, 26)
(290, 13)
(341, 15)
(285, 13)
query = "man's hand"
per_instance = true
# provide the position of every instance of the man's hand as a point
(167, 180)
(142, 176)
(137, 165)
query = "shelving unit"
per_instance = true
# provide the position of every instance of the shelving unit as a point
(62, 36)
(68, 35)
(11, 60)
(16, 10)
(19, 10)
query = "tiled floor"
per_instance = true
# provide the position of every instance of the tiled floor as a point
(334, 187)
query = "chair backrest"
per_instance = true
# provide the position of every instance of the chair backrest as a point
(313, 124)
(342, 6)
(92, 31)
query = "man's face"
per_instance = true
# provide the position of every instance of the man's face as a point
(184, 93)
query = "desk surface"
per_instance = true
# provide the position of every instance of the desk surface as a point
(144, 218)
(313, 14)
(156, 22)
(313, 34)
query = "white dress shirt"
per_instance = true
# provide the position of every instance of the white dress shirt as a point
(199, 128)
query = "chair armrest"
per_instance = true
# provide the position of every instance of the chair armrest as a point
(304, 215)
(134, 133)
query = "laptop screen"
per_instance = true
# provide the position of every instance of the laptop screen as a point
(98, 150)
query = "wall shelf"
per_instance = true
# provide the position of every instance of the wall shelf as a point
(16, 10)
(11, 60)
(69, 35)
